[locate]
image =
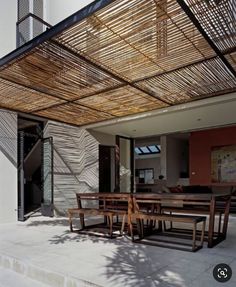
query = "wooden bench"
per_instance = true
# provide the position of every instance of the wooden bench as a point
(106, 205)
(200, 211)
(140, 216)
(201, 207)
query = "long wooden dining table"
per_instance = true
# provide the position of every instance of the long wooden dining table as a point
(208, 201)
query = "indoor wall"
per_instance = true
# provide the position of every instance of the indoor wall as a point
(201, 143)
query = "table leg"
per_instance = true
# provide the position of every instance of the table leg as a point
(159, 221)
(194, 236)
(226, 216)
(203, 232)
(130, 210)
(211, 223)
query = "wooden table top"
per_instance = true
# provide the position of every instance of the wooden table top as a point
(180, 195)
(145, 195)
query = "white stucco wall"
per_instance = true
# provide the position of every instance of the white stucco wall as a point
(103, 139)
(8, 167)
(163, 158)
(8, 18)
(57, 10)
(149, 163)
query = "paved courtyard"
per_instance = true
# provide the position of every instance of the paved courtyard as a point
(43, 250)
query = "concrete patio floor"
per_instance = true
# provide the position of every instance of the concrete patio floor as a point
(43, 250)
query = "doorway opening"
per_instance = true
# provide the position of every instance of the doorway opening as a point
(161, 161)
(106, 168)
(35, 174)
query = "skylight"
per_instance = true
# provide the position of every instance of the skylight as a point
(138, 151)
(146, 150)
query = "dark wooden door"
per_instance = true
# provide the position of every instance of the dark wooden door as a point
(106, 168)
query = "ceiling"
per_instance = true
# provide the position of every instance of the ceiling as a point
(208, 113)
(124, 57)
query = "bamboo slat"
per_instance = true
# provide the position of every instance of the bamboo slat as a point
(74, 114)
(57, 72)
(16, 97)
(206, 79)
(138, 37)
(122, 102)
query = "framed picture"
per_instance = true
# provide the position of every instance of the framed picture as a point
(223, 164)
(145, 175)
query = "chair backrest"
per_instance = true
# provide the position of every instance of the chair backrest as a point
(105, 200)
(143, 201)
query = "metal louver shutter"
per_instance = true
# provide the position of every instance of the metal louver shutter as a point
(38, 27)
(30, 13)
(24, 26)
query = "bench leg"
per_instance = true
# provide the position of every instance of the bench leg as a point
(105, 220)
(164, 225)
(111, 225)
(123, 224)
(194, 236)
(203, 233)
(81, 216)
(171, 223)
(139, 227)
(70, 222)
(131, 228)
(219, 227)
(142, 228)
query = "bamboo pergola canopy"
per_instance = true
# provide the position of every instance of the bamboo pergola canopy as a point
(123, 57)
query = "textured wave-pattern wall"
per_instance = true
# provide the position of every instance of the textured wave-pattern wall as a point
(8, 135)
(75, 163)
(8, 166)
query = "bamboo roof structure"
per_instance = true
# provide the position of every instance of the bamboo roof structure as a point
(123, 57)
